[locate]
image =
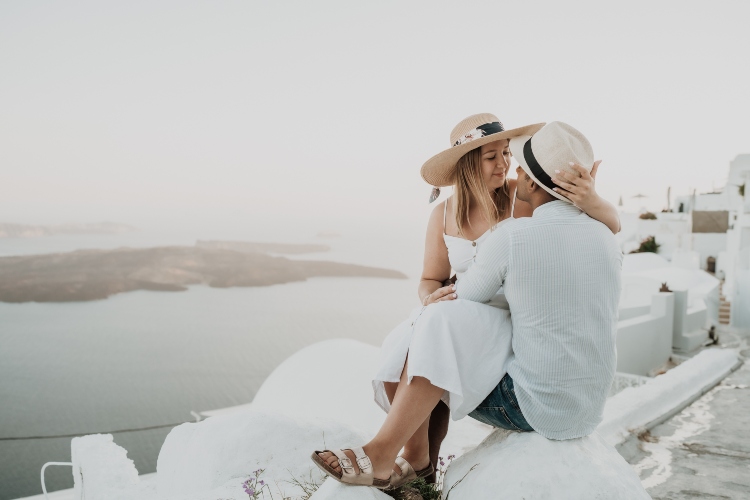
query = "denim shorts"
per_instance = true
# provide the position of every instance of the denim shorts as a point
(500, 408)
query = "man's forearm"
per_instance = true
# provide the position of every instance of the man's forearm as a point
(477, 288)
(481, 282)
(485, 277)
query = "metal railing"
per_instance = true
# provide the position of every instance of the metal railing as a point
(44, 486)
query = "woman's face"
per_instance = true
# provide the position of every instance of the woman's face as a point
(495, 163)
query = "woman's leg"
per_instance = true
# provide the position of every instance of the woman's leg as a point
(439, 419)
(417, 449)
(437, 429)
(410, 411)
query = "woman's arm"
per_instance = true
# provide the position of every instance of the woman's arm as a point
(581, 190)
(437, 268)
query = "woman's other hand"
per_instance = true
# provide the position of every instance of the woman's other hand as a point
(441, 294)
(578, 186)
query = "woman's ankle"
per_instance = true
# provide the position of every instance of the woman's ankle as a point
(417, 456)
(382, 461)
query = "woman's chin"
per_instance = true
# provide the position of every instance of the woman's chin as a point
(496, 182)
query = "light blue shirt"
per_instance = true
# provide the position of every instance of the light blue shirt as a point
(561, 273)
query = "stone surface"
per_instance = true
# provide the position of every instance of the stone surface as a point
(637, 407)
(333, 490)
(704, 451)
(211, 459)
(101, 469)
(529, 466)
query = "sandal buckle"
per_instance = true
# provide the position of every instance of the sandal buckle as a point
(346, 463)
(364, 464)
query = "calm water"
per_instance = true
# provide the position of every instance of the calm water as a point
(148, 358)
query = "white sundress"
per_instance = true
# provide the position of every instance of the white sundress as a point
(458, 345)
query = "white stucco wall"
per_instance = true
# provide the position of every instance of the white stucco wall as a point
(644, 343)
(713, 201)
(740, 312)
(708, 245)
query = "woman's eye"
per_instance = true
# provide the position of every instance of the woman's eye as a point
(491, 157)
(506, 152)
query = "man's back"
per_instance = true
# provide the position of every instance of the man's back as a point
(561, 275)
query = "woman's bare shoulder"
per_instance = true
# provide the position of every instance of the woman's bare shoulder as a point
(437, 216)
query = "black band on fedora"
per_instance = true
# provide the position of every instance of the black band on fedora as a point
(535, 168)
(486, 129)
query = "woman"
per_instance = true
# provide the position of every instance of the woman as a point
(459, 346)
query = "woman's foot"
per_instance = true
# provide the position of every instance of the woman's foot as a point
(350, 466)
(418, 460)
(380, 467)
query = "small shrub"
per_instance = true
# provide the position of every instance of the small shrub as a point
(647, 216)
(648, 245)
(742, 190)
(419, 489)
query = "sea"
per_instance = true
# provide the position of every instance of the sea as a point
(148, 359)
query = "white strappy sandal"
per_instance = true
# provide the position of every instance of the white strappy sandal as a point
(348, 475)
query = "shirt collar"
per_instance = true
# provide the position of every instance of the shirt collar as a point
(555, 208)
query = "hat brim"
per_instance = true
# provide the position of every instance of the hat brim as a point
(440, 170)
(516, 148)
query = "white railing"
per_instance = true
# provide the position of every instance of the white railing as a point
(44, 486)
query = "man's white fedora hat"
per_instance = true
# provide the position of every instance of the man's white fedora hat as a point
(554, 147)
(471, 133)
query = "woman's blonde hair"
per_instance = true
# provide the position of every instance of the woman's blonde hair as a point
(470, 186)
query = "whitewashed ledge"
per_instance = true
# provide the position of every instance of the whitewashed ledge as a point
(638, 408)
(294, 413)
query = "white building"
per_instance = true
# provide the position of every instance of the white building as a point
(703, 229)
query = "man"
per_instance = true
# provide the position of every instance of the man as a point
(560, 271)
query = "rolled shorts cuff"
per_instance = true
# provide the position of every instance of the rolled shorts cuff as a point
(500, 408)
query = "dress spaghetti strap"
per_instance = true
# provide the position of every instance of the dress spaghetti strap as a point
(445, 215)
(513, 203)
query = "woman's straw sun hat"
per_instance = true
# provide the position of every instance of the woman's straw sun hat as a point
(471, 133)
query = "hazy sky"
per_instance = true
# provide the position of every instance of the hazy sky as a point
(320, 114)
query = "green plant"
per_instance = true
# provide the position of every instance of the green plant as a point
(419, 489)
(648, 245)
(308, 486)
(647, 216)
(742, 190)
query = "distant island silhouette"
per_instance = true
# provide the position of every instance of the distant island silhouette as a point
(35, 231)
(86, 275)
(249, 246)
